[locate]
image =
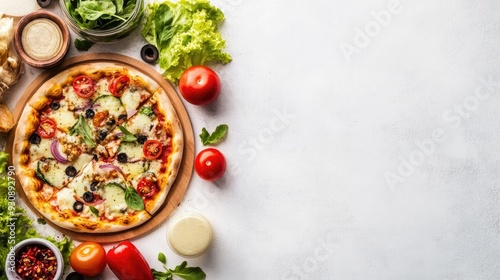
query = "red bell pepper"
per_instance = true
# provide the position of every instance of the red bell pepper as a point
(127, 263)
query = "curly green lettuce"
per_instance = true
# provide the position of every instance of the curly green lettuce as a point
(186, 34)
(12, 216)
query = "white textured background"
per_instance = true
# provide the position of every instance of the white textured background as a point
(316, 132)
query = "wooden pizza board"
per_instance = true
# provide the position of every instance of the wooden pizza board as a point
(178, 189)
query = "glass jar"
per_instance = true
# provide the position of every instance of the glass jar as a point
(104, 34)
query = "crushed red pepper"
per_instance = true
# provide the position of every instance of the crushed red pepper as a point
(36, 262)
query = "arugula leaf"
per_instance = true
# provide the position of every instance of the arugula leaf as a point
(188, 273)
(127, 135)
(41, 221)
(94, 210)
(82, 128)
(133, 199)
(83, 45)
(146, 110)
(214, 138)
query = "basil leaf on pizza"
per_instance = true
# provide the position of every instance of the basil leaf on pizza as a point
(127, 136)
(83, 129)
(133, 199)
(103, 116)
(94, 210)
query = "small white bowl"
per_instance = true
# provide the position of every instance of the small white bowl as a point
(189, 235)
(13, 254)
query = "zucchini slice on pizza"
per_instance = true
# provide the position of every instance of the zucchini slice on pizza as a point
(99, 200)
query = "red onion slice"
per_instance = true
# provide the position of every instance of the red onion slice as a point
(95, 202)
(130, 113)
(110, 166)
(54, 149)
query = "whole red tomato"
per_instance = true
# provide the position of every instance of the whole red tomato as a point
(88, 258)
(199, 85)
(210, 164)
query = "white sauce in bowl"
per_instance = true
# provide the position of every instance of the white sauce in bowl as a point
(42, 39)
(190, 235)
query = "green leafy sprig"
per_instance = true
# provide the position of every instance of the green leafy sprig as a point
(182, 271)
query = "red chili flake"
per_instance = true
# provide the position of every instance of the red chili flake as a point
(36, 262)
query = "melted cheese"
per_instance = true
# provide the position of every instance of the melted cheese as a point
(133, 150)
(140, 124)
(64, 119)
(131, 100)
(65, 199)
(114, 197)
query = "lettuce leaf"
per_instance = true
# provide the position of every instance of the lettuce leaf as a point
(186, 34)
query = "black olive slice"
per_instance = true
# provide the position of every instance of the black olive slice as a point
(122, 117)
(149, 53)
(111, 122)
(78, 206)
(70, 171)
(122, 157)
(89, 113)
(102, 134)
(88, 196)
(55, 105)
(93, 186)
(142, 139)
(35, 139)
(74, 276)
(44, 3)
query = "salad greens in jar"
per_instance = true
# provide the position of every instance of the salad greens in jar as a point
(102, 21)
(101, 14)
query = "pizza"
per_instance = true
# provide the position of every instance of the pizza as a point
(98, 147)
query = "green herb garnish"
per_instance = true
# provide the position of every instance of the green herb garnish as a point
(182, 271)
(133, 199)
(94, 210)
(82, 128)
(216, 136)
(127, 135)
(148, 111)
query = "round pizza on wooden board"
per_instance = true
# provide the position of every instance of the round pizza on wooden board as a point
(101, 144)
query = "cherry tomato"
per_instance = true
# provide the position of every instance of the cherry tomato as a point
(199, 85)
(210, 164)
(88, 258)
(46, 128)
(118, 85)
(100, 118)
(146, 188)
(152, 149)
(84, 86)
